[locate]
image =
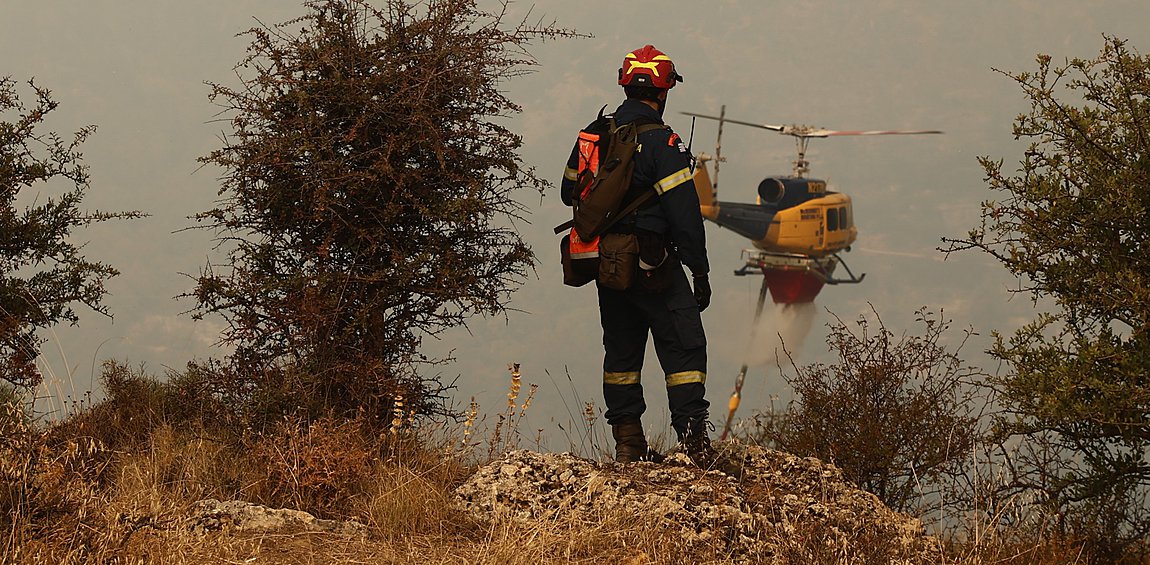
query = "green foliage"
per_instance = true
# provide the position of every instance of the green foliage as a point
(366, 200)
(1073, 224)
(896, 415)
(42, 272)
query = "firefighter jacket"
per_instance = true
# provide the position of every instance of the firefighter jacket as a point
(662, 164)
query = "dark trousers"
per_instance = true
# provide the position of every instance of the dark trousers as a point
(672, 319)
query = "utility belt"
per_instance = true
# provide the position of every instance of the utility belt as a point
(624, 226)
(623, 258)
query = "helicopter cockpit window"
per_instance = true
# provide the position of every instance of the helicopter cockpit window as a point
(832, 219)
(844, 221)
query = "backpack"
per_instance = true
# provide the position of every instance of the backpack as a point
(602, 186)
(606, 166)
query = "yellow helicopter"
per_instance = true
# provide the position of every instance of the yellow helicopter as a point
(797, 226)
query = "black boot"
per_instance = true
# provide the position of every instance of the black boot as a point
(697, 446)
(631, 445)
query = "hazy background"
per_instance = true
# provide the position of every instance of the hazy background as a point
(136, 68)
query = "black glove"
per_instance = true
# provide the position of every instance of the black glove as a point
(702, 291)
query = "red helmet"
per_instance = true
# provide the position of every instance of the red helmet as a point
(648, 67)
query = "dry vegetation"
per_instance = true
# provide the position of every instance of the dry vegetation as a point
(112, 483)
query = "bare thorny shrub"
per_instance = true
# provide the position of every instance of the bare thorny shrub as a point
(44, 274)
(366, 199)
(898, 415)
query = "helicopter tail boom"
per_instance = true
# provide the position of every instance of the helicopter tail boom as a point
(748, 220)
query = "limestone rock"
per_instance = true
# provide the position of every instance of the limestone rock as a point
(780, 495)
(239, 516)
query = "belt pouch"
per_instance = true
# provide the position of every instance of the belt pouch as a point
(618, 260)
(577, 271)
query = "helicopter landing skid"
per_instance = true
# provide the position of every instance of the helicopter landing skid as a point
(757, 262)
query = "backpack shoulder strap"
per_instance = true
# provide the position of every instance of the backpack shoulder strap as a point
(634, 205)
(650, 127)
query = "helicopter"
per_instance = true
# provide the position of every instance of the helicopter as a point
(797, 227)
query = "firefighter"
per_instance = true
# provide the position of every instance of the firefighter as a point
(663, 303)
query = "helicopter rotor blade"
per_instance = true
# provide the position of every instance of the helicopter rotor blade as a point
(740, 122)
(808, 131)
(832, 133)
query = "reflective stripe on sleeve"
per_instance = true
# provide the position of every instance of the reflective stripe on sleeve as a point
(624, 378)
(570, 174)
(685, 378)
(673, 180)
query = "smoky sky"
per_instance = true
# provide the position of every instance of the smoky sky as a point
(137, 69)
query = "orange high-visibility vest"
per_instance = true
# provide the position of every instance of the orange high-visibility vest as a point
(588, 166)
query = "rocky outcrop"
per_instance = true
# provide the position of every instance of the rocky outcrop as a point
(782, 504)
(239, 516)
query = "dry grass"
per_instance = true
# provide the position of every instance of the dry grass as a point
(111, 483)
